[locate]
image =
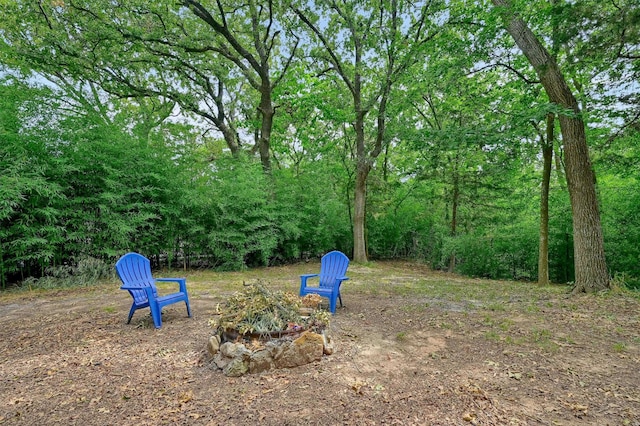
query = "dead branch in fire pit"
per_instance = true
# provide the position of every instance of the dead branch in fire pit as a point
(259, 310)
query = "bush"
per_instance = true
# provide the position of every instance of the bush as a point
(87, 271)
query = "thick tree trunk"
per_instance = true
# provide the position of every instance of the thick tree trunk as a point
(231, 138)
(589, 259)
(360, 196)
(267, 111)
(547, 157)
(360, 200)
(590, 265)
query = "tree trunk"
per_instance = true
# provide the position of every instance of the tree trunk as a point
(230, 137)
(267, 111)
(360, 198)
(589, 259)
(547, 157)
(359, 240)
(454, 210)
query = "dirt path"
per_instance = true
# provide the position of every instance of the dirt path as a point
(69, 358)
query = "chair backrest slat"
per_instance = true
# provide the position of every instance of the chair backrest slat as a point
(333, 265)
(135, 270)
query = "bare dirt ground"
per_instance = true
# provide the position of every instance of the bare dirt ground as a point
(403, 356)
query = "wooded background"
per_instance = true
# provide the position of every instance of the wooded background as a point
(230, 135)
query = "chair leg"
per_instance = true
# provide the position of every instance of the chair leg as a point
(156, 313)
(332, 305)
(131, 311)
(186, 302)
(340, 298)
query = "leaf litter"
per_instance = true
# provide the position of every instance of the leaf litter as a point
(397, 360)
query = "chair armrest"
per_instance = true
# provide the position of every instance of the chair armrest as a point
(339, 281)
(130, 287)
(303, 279)
(181, 281)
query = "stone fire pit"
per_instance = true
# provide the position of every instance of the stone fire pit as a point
(260, 330)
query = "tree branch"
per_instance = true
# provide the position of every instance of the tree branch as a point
(334, 58)
(508, 67)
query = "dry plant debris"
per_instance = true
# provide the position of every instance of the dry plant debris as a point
(259, 310)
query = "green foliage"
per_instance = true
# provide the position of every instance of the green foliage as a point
(74, 186)
(87, 271)
(508, 248)
(245, 226)
(560, 237)
(402, 223)
(476, 256)
(317, 204)
(102, 191)
(29, 200)
(84, 174)
(115, 188)
(621, 226)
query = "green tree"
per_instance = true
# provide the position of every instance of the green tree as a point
(367, 47)
(194, 55)
(590, 263)
(30, 234)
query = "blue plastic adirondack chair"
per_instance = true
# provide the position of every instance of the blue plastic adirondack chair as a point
(134, 271)
(333, 268)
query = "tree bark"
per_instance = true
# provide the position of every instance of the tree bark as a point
(359, 215)
(362, 163)
(589, 258)
(547, 157)
(267, 111)
(455, 197)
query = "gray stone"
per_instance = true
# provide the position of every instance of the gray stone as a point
(234, 350)
(327, 345)
(232, 359)
(213, 346)
(236, 368)
(261, 361)
(305, 349)
(235, 360)
(220, 361)
(275, 348)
